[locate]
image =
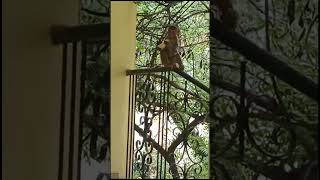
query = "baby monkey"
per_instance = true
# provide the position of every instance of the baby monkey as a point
(170, 48)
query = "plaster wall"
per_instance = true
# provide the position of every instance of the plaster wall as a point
(31, 77)
(123, 33)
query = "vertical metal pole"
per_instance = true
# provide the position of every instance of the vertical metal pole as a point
(129, 118)
(242, 83)
(211, 87)
(242, 106)
(133, 121)
(144, 143)
(163, 115)
(160, 97)
(185, 96)
(167, 120)
(62, 110)
(82, 95)
(73, 101)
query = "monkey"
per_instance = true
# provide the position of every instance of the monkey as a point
(227, 14)
(170, 48)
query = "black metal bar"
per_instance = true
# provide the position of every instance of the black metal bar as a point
(265, 60)
(133, 122)
(212, 71)
(242, 83)
(163, 115)
(62, 109)
(73, 103)
(160, 95)
(241, 112)
(146, 71)
(193, 81)
(185, 96)
(65, 34)
(82, 95)
(144, 140)
(167, 119)
(129, 124)
(129, 113)
(164, 69)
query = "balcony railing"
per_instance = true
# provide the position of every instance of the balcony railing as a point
(168, 133)
(85, 128)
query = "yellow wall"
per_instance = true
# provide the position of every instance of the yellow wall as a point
(123, 30)
(31, 75)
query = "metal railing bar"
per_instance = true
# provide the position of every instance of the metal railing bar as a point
(159, 124)
(72, 114)
(82, 95)
(93, 32)
(133, 123)
(132, 119)
(167, 119)
(162, 124)
(165, 69)
(129, 118)
(62, 109)
(265, 60)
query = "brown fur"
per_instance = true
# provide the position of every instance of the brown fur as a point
(169, 55)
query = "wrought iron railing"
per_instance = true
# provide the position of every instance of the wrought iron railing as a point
(84, 125)
(252, 132)
(166, 111)
(257, 134)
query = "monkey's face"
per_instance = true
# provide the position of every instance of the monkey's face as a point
(173, 31)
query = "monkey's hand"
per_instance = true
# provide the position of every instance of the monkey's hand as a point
(162, 46)
(164, 43)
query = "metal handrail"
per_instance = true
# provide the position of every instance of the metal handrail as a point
(65, 34)
(165, 69)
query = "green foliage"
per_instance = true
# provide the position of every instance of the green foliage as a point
(95, 108)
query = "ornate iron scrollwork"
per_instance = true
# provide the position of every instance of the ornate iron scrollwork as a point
(166, 119)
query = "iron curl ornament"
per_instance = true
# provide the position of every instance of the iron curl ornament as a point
(243, 131)
(167, 118)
